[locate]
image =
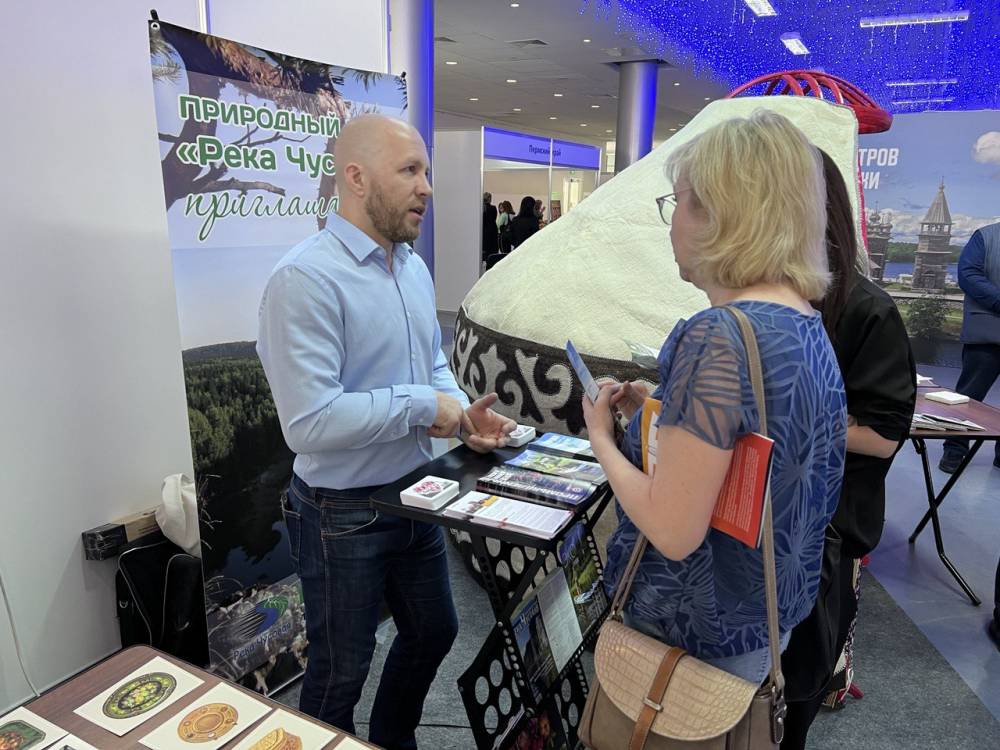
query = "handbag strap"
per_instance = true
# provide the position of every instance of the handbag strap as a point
(770, 574)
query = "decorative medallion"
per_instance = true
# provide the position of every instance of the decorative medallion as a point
(278, 739)
(210, 722)
(19, 735)
(139, 695)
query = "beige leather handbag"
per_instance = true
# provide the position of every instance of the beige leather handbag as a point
(650, 695)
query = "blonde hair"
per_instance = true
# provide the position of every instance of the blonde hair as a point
(760, 182)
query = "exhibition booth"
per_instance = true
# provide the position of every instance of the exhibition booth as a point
(148, 474)
(558, 172)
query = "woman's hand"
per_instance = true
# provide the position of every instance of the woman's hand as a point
(600, 421)
(630, 398)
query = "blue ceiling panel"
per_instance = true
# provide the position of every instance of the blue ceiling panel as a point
(900, 52)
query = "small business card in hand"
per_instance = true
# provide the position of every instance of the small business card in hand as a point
(590, 386)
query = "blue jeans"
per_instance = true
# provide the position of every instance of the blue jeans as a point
(980, 368)
(350, 558)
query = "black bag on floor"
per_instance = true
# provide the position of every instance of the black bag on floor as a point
(161, 601)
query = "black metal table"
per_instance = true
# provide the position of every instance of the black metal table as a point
(509, 564)
(982, 414)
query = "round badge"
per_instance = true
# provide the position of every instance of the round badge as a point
(139, 695)
(210, 722)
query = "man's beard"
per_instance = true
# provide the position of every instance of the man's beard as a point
(388, 221)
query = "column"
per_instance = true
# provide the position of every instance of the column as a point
(411, 51)
(636, 111)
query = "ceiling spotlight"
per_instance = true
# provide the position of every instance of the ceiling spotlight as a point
(558, 95)
(935, 100)
(473, 98)
(677, 83)
(929, 82)
(794, 43)
(673, 130)
(583, 124)
(511, 80)
(708, 98)
(586, 41)
(595, 106)
(914, 19)
(515, 5)
(609, 131)
(553, 118)
(450, 62)
(761, 7)
(517, 109)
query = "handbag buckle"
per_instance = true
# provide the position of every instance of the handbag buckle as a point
(779, 710)
(658, 707)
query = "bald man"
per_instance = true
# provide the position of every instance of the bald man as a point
(351, 345)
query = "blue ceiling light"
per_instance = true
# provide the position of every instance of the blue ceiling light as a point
(888, 48)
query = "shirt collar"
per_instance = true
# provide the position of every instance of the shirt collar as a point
(360, 244)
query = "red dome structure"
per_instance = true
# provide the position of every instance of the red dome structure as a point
(871, 117)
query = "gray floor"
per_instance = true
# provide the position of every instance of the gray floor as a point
(918, 581)
(930, 674)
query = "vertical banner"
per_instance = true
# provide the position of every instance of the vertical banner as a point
(246, 146)
(929, 183)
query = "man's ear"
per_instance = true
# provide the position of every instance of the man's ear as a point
(355, 179)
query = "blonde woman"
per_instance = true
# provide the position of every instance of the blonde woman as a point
(747, 221)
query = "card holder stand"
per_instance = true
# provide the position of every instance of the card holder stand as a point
(495, 690)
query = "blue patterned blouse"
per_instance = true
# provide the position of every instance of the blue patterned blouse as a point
(712, 602)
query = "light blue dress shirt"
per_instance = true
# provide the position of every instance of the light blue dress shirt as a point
(353, 355)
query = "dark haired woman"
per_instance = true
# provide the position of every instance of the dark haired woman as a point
(875, 360)
(525, 223)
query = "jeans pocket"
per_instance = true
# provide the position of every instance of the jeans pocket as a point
(293, 522)
(344, 519)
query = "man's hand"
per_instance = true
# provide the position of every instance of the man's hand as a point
(630, 398)
(489, 430)
(449, 418)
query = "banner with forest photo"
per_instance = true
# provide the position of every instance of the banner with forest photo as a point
(246, 147)
(929, 182)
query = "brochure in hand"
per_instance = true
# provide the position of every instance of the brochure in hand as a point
(502, 512)
(564, 445)
(530, 485)
(548, 463)
(739, 510)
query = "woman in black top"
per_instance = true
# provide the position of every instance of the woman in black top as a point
(525, 223)
(873, 351)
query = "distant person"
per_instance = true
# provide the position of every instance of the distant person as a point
(351, 346)
(491, 243)
(875, 360)
(525, 223)
(503, 225)
(979, 277)
(540, 212)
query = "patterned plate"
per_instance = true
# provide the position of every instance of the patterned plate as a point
(278, 739)
(139, 695)
(210, 722)
(19, 735)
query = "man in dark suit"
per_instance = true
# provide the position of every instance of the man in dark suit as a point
(491, 239)
(979, 277)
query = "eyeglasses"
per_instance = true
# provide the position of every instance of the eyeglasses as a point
(667, 203)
